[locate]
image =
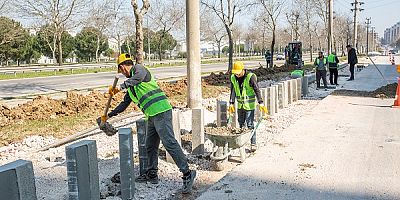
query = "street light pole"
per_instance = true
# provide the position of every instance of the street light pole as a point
(368, 22)
(330, 23)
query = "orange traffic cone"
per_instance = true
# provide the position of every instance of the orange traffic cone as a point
(397, 98)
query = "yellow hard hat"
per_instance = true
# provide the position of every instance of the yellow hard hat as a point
(123, 57)
(238, 66)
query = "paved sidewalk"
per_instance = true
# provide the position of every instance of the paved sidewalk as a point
(345, 148)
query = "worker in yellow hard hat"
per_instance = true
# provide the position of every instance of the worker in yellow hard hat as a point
(143, 90)
(244, 89)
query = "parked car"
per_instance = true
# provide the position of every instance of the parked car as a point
(280, 57)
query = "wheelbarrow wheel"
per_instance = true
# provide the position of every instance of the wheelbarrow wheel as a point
(219, 165)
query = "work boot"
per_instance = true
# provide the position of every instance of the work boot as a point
(253, 148)
(151, 176)
(188, 181)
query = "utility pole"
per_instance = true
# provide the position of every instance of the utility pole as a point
(368, 22)
(194, 99)
(355, 10)
(148, 40)
(373, 38)
(330, 28)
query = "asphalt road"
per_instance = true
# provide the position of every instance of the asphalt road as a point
(31, 86)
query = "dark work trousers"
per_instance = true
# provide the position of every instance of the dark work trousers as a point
(268, 63)
(160, 127)
(352, 71)
(246, 118)
(333, 75)
(321, 74)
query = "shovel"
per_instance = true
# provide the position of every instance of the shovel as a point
(104, 125)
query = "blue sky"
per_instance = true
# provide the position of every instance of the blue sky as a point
(383, 13)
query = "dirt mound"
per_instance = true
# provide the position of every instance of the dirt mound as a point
(262, 74)
(225, 130)
(42, 107)
(387, 91)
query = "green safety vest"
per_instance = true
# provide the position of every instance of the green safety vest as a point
(331, 58)
(317, 61)
(150, 98)
(245, 96)
(297, 72)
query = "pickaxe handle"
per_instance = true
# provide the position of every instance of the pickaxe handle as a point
(110, 97)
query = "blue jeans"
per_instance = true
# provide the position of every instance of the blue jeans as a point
(246, 117)
(160, 127)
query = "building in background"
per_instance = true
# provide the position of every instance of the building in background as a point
(392, 34)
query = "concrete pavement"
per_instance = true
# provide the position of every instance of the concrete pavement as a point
(21, 87)
(345, 148)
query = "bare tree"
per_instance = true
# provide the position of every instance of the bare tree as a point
(166, 15)
(226, 10)
(139, 13)
(101, 18)
(273, 9)
(212, 29)
(308, 5)
(3, 4)
(61, 15)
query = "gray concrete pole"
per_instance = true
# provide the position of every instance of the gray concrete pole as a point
(17, 181)
(126, 163)
(330, 28)
(177, 132)
(198, 131)
(82, 170)
(193, 53)
(141, 126)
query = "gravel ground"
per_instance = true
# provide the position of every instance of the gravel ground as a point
(50, 167)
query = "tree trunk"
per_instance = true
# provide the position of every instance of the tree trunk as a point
(139, 39)
(219, 49)
(273, 45)
(53, 51)
(60, 52)
(311, 47)
(97, 49)
(230, 58)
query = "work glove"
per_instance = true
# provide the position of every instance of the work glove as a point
(112, 91)
(231, 109)
(263, 109)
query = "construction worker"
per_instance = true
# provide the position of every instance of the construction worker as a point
(268, 58)
(351, 60)
(320, 64)
(333, 68)
(298, 73)
(244, 89)
(143, 90)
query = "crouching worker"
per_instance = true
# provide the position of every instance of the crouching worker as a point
(143, 90)
(244, 89)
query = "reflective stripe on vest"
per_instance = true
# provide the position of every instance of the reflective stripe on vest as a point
(318, 61)
(245, 96)
(150, 98)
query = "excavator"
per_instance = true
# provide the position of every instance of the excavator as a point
(294, 57)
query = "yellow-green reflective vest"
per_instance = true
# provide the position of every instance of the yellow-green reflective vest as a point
(245, 96)
(317, 61)
(150, 98)
(331, 58)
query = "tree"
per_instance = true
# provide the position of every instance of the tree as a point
(139, 13)
(31, 50)
(12, 38)
(58, 14)
(87, 43)
(272, 9)
(226, 10)
(212, 29)
(308, 21)
(166, 15)
(101, 17)
(167, 43)
(46, 43)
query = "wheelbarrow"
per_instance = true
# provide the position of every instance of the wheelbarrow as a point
(223, 145)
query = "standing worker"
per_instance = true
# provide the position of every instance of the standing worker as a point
(333, 62)
(268, 58)
(144, 91)
(351, 60)
(245, 89)
(320, 64)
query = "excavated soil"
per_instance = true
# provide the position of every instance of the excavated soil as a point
(387, 91)
(262, 74)
(225, 131)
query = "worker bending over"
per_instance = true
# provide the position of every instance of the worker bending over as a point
(144, 91)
